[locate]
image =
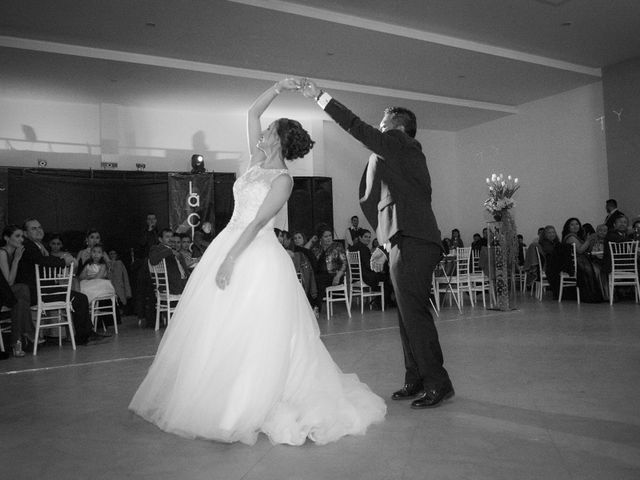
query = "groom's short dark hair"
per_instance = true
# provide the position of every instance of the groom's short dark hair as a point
(403, 117)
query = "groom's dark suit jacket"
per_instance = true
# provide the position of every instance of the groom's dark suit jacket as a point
(395, 190)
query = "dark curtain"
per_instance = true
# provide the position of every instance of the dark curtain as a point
(71, 202)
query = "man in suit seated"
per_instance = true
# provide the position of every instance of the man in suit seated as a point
(35, 253)
(177, 270)
(617, 235)
(370, 277)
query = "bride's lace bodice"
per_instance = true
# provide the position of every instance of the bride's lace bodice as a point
(249, 192)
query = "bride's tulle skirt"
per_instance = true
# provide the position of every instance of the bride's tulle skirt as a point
(249, 359)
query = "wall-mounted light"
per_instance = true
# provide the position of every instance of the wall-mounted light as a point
(42, 163)
(141, 166)
(106, 165)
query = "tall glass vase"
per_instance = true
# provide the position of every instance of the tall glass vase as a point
(503, 258)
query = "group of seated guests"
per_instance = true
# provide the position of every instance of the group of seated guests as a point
(321, 261)
(98, 275)
(593, 257)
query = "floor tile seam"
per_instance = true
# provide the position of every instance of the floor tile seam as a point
(67, 365)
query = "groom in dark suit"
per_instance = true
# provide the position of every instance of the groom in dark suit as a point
(395, 196)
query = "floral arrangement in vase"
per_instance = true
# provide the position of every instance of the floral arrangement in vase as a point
(501, 191)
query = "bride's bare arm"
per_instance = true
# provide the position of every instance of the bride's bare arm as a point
(276, 198)
(254, 129)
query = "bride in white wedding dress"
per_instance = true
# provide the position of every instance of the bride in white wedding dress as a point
(242, 353)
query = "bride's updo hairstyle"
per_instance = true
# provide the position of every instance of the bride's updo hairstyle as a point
(294, 139)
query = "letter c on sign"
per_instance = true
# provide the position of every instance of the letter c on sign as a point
(193, 220)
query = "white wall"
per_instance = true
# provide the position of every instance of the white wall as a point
(554, 146)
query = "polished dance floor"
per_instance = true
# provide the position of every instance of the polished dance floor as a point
(549, 391)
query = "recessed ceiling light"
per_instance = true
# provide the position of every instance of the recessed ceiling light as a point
(150, 24)
(462, 76)
(566, 24)
(330, 54)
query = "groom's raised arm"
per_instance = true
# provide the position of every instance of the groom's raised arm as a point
(383, 144)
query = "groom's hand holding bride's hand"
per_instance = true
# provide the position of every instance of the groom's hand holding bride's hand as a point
(223, 277)
(309, 88)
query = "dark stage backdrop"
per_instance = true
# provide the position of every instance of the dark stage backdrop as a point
(114, 202)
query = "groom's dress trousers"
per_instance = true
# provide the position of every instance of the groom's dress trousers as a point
(395, 196)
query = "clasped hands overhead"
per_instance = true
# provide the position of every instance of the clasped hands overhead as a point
(300, 84)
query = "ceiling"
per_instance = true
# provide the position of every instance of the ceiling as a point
(457, 63)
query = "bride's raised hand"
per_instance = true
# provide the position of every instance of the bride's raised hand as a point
(289, 83)
(223, 277)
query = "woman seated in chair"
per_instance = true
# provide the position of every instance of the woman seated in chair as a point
(592, 280)
(15, 295)
(369, 277)
(84, 256)
(56, 246)
(303, 267)
(551, 258)
(331, 264)
(94, 276)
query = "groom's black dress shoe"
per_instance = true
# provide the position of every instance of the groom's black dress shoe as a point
(434, 396)
(409, 391)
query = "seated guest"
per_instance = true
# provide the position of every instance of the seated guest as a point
(35, 253)
(301, 245)
(521, 250)
(176, 270)
(484, 241)
(588, 229)
(635, 234)
(202, 238)
(84, 256)
(352, 233)
(119, 277)
(456, 241)
(592, 280)
(331, 263)
(371, 278)
(15, 295)
(287, 240)
(597, 246)
(530, 258)
(617, 235)
(56, 246)
(476, 245)
(446, 246)
(612, 213)
(94, 276)
(278, 233)
(551, 258)
(304, 269)
(185, 251)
